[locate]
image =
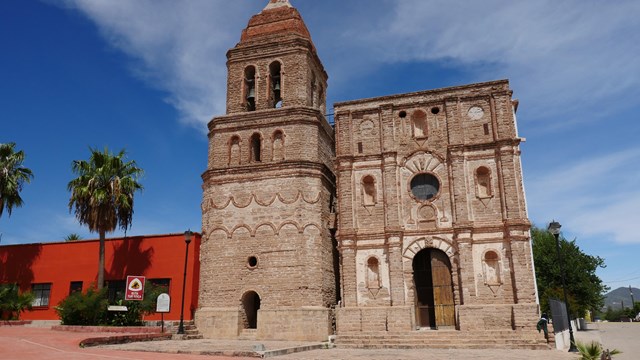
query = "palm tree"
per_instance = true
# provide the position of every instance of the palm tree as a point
(72, 237)
(12, 177)
(12, 302)
(102, 195)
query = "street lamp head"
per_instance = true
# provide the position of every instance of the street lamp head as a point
(187, 236)
(554, 227)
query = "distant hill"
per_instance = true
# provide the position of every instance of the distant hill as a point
(620, 296)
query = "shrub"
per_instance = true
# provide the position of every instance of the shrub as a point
(88, 308)
(136, 309)
(12, 302)
(593, 351)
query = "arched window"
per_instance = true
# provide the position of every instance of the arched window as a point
(483, 182)
(234, 150)
(419, 121)
(256, 147)
(369, 190)
(491, 268)
(275, 73)
(250, 87)
(278, 146)
(373, 273)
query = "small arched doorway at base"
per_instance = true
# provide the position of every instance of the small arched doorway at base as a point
(435, 306)
(249, 310)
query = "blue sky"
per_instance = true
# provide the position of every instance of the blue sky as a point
(148, 75)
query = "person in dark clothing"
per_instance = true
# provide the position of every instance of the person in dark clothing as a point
(542, 325)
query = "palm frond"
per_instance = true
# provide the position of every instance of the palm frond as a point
(13, 175)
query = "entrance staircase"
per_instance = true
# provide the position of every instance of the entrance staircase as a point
(443, 339)
(190, 331)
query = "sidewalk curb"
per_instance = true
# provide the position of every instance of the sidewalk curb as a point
(121, 339)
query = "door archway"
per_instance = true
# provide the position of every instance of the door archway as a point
(249, 310)
(435, 306)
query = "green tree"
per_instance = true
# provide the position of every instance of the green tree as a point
(585, 290)
(13, 175)
(102, 195)
(12, 302)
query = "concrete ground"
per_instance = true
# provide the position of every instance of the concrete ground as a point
(37, 343)
(622, 336)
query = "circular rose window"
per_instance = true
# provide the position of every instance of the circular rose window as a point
(424, 186)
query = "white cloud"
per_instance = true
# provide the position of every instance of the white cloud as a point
(180, 46)
(562, 57)
(598, 197)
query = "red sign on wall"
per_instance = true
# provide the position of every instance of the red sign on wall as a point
(135, 288)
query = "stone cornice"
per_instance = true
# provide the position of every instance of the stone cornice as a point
(258, 171)
(275, 117)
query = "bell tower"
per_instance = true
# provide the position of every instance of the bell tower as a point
(267, 254)
(275, 64)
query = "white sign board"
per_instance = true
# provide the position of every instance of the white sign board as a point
(116, 308)
(163, 303)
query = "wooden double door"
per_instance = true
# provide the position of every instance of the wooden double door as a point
(435, 306)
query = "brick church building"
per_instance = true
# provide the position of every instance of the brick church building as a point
(408, 214)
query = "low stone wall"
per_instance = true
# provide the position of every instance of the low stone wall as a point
(303, 324)
(15, 322)
(387, 318)
(108, 329)
(497, 317)
(218, 323)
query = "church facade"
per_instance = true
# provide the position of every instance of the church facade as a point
(408, 214)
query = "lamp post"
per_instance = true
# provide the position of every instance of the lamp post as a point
(187, 240)
(554, 228)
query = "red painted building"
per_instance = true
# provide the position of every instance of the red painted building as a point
(53, 270)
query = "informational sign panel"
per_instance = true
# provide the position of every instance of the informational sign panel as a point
(163, 303)
(135, 288)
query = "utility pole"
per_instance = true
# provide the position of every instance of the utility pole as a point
(632, 302)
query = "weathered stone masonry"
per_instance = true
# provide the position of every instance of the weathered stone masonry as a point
(431, 230)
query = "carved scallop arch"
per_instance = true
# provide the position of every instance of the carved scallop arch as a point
(421, 161)
(210, 203)
(434, 243)
(300, 228)
(290, 222)
(265, 224)
(219, 228)
(245, 226)
(312, 225)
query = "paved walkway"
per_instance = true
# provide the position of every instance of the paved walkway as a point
(27, 343)
(40, 343)
(206, 345)
(622, 336)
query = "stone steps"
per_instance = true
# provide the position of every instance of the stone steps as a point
(248, 334)
(443, 339)
(190, 332)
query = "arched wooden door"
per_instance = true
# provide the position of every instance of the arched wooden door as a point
(435, 307)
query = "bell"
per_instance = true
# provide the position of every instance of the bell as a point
(276, 85)
(252, 93)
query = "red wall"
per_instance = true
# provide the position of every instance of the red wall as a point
(153, 256)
